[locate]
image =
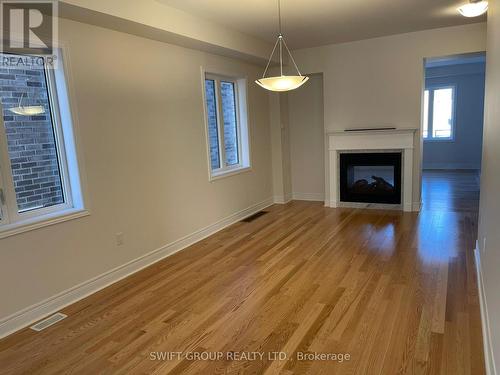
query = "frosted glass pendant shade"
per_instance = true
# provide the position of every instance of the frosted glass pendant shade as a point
(474, 9)
(31, 110)
(282, 83)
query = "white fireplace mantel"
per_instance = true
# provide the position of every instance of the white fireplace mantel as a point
(371, 140)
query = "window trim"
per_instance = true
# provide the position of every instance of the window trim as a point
(65, 141)
(242, 128)
(430, 118)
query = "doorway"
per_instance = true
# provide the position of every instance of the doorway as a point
(452, 136)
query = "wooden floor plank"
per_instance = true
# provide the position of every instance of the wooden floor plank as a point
(395, 291)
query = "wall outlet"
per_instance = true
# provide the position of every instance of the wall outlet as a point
(484, 244)
(119, 239)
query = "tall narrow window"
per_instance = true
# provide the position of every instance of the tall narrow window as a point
(34, 174)
(426, 113)
(231, 146)
(213, 127)
(225, 105)
(439, 110)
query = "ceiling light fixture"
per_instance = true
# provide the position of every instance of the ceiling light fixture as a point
(29, 110)
(282, 82)
(474, 9)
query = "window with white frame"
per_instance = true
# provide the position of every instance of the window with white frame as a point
(38, 169)
(439, 113)
(227, 132)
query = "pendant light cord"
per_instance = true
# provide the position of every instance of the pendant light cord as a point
(280, 37)
(281, 42)
(279, 16)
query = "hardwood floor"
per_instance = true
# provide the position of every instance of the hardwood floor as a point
(395, 291)
(454, 190)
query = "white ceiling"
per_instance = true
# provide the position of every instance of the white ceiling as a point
(308, 23)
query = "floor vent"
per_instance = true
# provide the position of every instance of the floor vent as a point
(51, 320)
(254, 216)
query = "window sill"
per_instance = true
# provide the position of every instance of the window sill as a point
(41, 221)
(228, 172)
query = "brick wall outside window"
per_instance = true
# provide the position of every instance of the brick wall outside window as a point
(213, 137)
(31, 142)
(230, 125)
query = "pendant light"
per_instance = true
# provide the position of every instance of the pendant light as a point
(29, 110)
(474, 9)
(282, 82)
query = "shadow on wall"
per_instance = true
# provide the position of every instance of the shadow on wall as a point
(307, 140)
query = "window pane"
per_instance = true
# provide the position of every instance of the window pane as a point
(30, 138)
(443, 113)
(230, 122)
(213, 134)
(426, 113)
(2, 207)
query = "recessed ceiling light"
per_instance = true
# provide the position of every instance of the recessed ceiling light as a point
(474, 9)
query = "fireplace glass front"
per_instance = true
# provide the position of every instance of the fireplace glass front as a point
(370, 177)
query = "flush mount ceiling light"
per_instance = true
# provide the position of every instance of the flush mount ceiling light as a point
(474, 9)
(29, 110)
(281, 82)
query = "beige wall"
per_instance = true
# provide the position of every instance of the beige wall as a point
(156, 20)
(307, 140)
(379, 81)
(280, 139)
(142, 135)
(489, 222)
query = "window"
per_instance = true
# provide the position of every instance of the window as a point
(36, 180)
(439, 113)
(227, 134)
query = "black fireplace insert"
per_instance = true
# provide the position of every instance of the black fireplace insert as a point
(370, 177)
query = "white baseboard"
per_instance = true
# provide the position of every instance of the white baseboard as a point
(280, 199)
(416, 206)
(331, 203)
(313, 197)
(55, 303)
(485, 322)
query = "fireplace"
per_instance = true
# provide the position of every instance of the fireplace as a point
(373, 144)
(370, 177)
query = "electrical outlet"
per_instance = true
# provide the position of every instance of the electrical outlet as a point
(484, 244)
(119, 239)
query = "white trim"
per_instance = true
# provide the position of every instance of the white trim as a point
(401, 140)
(242, 122)
(313, 197)
(370, 206)
(280, 199)
(217, 175)
(38, 222)
(417, 206)
(62, 121)
(28, 316)
(485, 321)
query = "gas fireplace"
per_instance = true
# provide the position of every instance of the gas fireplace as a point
(371, 177)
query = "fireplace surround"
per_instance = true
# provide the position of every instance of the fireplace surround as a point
(395, 141)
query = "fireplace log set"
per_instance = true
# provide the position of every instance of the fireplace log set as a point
(378, 186)
(370, 177)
